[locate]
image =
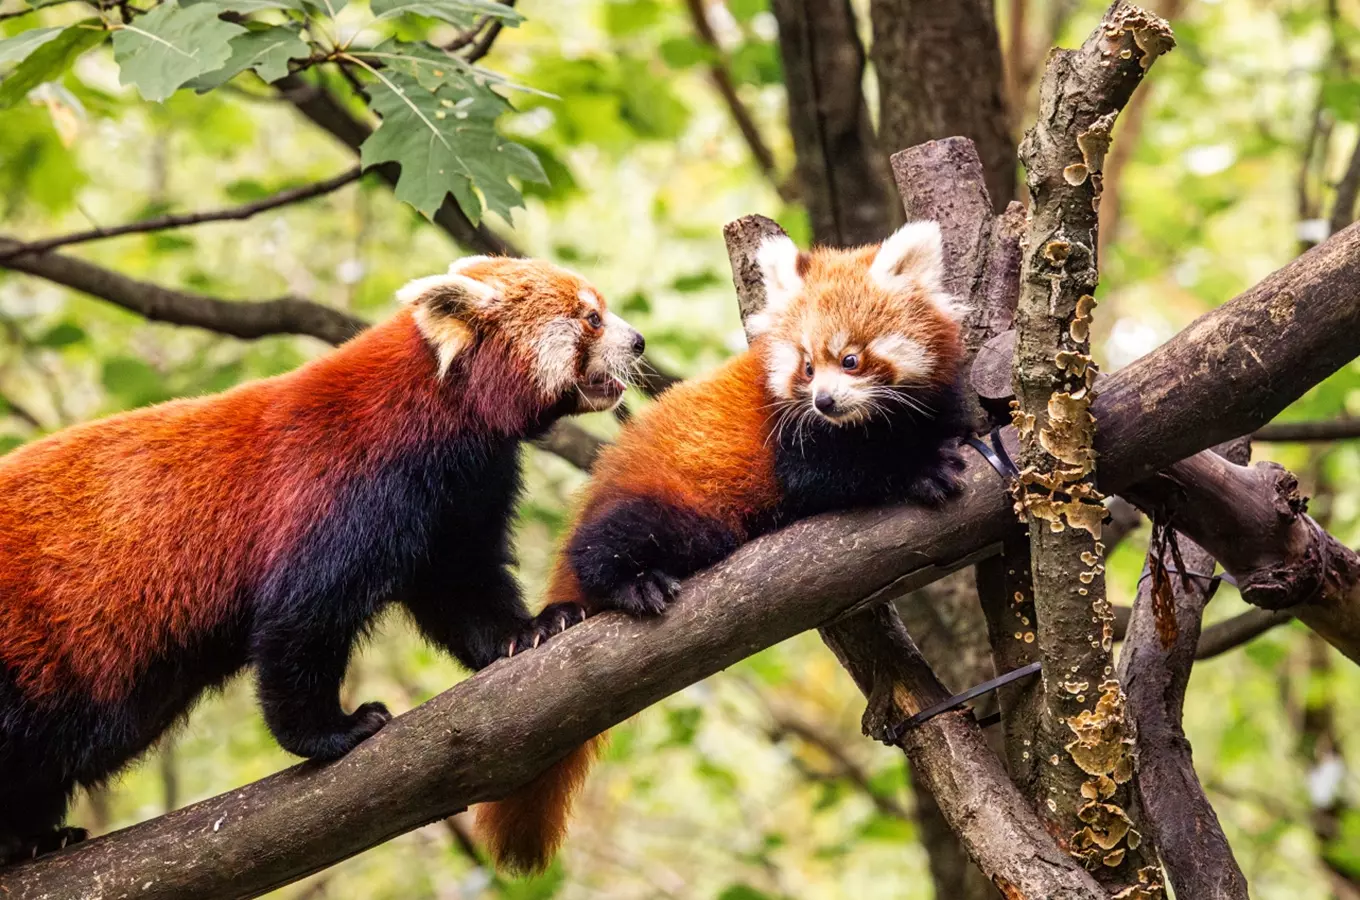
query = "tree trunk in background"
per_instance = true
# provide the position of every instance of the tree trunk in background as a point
(842, 174)
(939, 75)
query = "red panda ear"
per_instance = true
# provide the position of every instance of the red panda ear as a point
(778, 259)
(443, 306)
(912, 259)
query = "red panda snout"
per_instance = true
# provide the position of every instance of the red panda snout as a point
(555, 323)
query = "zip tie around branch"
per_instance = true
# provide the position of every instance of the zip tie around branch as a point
(995, 455)
(897, 732)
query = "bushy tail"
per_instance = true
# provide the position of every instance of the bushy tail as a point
(523, 831)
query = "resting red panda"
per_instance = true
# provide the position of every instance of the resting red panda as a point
(148, 557)
(849, 396)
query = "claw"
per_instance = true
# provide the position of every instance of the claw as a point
(538, 639)
(510, 651)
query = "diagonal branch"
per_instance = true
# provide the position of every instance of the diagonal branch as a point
(180, 220)
(242, 319)
(463, 747)
(720, 72)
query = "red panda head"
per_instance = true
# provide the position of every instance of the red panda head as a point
(550, 320)
(851, 332)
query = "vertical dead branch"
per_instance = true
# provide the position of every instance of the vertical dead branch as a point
(940, 74)
(1083, 741)
(1155, 674)
(841, 175)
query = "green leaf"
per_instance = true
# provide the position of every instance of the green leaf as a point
(433, 68)
(246, 7)
(132, 382)
(266, 50)
(741, 891)
(624, 17)
(746, 10)
(63, 334)
(170, 45)
(455, 12)
(49, 61)
(14, 49)
(446, 143)
(683, 52)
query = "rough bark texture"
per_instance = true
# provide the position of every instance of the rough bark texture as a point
(1084, 779)
(1253, 521)
(495, 731)
(1154, 668)
(841, 175)
(950, 755)
(939, 74)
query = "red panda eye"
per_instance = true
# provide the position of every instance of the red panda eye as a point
(807, 369)
(850, 363)
(594, 320)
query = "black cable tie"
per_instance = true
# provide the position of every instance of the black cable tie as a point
(1213, 580)
(995, 455)
(954, 702)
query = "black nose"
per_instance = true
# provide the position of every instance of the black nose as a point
(639, 343)
(824, 402)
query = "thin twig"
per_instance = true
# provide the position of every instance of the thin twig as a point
(1343, 208)
(161, 223)
(1337, 430)
(32, 9)
(721, 75)
(483, 44)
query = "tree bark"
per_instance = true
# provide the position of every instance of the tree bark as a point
(1085, 773)
(940, 74)
(842, 178)
(492, 733)
(1154, 668)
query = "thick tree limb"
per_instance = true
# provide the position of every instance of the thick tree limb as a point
(841, 176)
(1154, 668)
(939, 74)
(160, 223)
(1253, 522)
(494, 732)
(243, 319)
(1085, 790)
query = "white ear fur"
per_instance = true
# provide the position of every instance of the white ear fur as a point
(912, 258)
(439, 304)
(459, 265)
(448, 294)
(777, 258)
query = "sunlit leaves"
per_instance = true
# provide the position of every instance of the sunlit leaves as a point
(266, 50)
(48, 59)
(14, 49)
(456, 12)
(170, 45)
(446, 142)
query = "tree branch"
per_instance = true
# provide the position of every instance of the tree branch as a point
(1337, 430)
(1085, 790)
(1232, 633)
(721, 75)
(160, 223)
(463, 747)
(242, 319)
(1154, 668)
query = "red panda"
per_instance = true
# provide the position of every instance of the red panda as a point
(148, 557)
(849, 396)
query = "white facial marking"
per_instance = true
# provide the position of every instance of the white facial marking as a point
(849, 392)
(777, 258)
(589, 298)
(782, 362)
(910, 360)
(837, 343)
(614, 349)
(555, 355)
(912, 259)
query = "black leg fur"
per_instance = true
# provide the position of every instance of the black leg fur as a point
(633, 556)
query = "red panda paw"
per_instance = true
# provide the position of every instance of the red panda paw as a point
(56, 839)
(646, 595)
(553, 620)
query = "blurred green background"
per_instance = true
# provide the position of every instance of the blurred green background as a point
(755, 783)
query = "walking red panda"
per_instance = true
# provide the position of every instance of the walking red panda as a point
(147, 557)
(849, 396)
